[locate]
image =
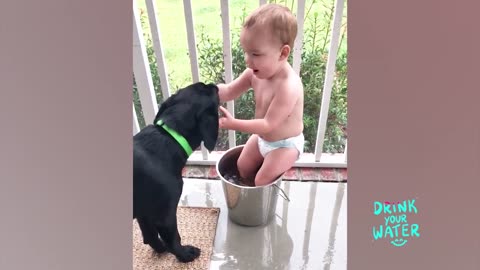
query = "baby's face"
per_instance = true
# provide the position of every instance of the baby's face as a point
(262, 51)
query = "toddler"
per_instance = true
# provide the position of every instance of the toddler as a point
(277, 140)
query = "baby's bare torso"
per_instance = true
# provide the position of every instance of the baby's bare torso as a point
(264, 91)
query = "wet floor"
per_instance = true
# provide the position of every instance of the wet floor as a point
(309, 232)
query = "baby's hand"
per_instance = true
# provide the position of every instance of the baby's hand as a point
(226, 119)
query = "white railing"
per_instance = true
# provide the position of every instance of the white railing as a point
(143, 75)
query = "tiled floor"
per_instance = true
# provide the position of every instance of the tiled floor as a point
(309, 232)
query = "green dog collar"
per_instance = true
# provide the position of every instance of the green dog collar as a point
(179, 138)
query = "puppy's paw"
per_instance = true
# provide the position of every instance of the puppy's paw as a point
(189, 253)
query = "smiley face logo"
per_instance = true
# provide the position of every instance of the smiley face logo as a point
(399, 242)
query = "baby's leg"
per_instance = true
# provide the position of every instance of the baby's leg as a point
(276, 162)
(250, 159)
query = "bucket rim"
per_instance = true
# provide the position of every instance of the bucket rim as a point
(249, 187)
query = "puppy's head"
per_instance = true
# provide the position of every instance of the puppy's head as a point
(193, 112)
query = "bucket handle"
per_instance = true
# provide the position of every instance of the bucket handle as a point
(284, 196)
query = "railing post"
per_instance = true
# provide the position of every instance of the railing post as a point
(298, 45)
(227, 60)
(141, 70)
(157, 47)
(136, 127)
(192, 51)
(329, 75)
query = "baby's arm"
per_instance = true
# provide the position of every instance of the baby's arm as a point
(234, 89)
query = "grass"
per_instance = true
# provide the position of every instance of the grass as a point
(206, 15)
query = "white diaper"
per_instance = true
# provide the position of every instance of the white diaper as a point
(296, 142)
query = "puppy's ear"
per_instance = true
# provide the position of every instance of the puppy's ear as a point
(208, 126)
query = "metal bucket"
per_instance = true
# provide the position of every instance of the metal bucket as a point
(248, 206)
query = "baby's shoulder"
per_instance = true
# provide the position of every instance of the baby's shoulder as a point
(292, 84)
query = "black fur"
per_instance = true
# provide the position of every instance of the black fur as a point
(158, 161)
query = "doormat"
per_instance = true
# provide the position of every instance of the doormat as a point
(197, 227)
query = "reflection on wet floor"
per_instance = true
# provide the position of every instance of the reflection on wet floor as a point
(308, 232)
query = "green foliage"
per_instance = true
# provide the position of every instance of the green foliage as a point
(314, 60)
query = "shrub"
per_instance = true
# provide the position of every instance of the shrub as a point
(314, 59)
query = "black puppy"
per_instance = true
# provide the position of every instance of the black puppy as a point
(160, 152)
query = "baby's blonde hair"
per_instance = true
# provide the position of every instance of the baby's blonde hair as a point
(279, 19)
